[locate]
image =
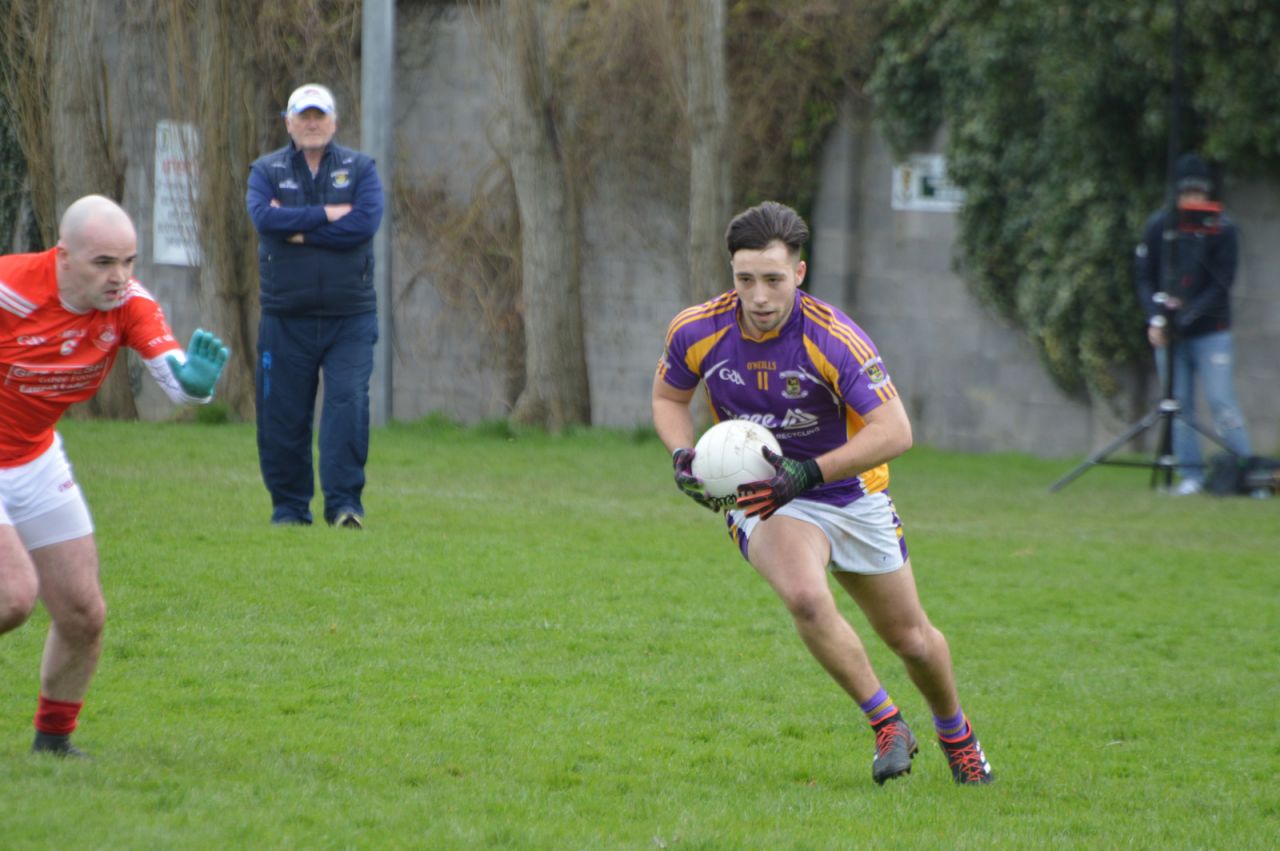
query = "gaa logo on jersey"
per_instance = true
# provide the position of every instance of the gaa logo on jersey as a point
(105, 339)
(341, 179)
(793, 390)
(732, 376)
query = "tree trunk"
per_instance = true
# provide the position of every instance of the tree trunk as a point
(710, 187)
(556, 391)
(27, 32)
(229, 143)
(86, 162)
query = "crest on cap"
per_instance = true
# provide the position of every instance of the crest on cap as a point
(310, 96)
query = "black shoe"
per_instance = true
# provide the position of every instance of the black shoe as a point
(968, 763)
(55, 745)
(348, 520)
(895, 746)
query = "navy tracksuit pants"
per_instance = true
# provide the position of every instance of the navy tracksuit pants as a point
(293, 352)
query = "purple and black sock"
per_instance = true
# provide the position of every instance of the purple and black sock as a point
(879, 708)
(953, 729)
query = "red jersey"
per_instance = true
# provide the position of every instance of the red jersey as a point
(52, 357)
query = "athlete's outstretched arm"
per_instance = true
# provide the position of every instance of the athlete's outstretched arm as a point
(189, 377)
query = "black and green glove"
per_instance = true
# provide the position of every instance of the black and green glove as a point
(792, 478)
(691, 486)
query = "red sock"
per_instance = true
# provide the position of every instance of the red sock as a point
(56, 717)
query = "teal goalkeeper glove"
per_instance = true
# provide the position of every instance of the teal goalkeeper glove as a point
(205, 358)
(791, 479)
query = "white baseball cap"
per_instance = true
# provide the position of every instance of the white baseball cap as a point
(310, 96)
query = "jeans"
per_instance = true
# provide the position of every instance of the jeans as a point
(293, 352)
(1208, 358)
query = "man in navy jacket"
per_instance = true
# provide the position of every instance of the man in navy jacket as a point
(316, 206)
(1190, 305)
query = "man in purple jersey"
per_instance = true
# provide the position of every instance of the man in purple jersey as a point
(780, 357)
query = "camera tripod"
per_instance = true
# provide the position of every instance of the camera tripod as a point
(1168, 409)
(1165, 412)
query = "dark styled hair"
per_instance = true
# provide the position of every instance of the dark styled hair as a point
(764, 223)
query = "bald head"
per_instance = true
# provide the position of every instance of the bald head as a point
(97, 246)
(93, 214)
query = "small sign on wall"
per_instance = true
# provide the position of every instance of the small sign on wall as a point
(175, 238)
(921, 184)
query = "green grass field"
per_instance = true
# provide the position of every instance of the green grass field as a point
(539, 643)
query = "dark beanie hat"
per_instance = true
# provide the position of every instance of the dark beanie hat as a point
(1191, 174)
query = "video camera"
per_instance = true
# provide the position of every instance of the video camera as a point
(1199, 217)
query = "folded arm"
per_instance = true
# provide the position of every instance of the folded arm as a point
(360, 223)
(271, 219)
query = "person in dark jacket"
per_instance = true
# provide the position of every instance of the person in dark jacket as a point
(1189, 312)
(316, 206)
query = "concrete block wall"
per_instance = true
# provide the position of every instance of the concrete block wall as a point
(1255, 205)
(969, 382)
(444, 360)
(633, 248)
(633, 274)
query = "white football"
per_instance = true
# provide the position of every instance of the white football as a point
(731, 453)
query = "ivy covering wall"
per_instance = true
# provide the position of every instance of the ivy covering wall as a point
(1057, 121)
(791, 64)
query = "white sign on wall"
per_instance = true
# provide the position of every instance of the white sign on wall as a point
(921, 184)
(174, 233)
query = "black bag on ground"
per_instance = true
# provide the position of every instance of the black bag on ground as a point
(1231, 475)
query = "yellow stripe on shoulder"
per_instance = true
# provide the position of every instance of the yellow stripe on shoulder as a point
(827, 320)
(831, 374)
(694, 356)
(826, 317)
(720, 304)
(826, 369)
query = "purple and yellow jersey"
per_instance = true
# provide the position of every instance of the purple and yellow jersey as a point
(811, 382)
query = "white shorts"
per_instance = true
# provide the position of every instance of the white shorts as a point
(42, 500)
(865, 535)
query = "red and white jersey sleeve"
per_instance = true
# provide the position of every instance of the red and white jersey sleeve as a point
(52, 357)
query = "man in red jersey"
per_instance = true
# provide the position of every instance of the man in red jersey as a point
(64, 314)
